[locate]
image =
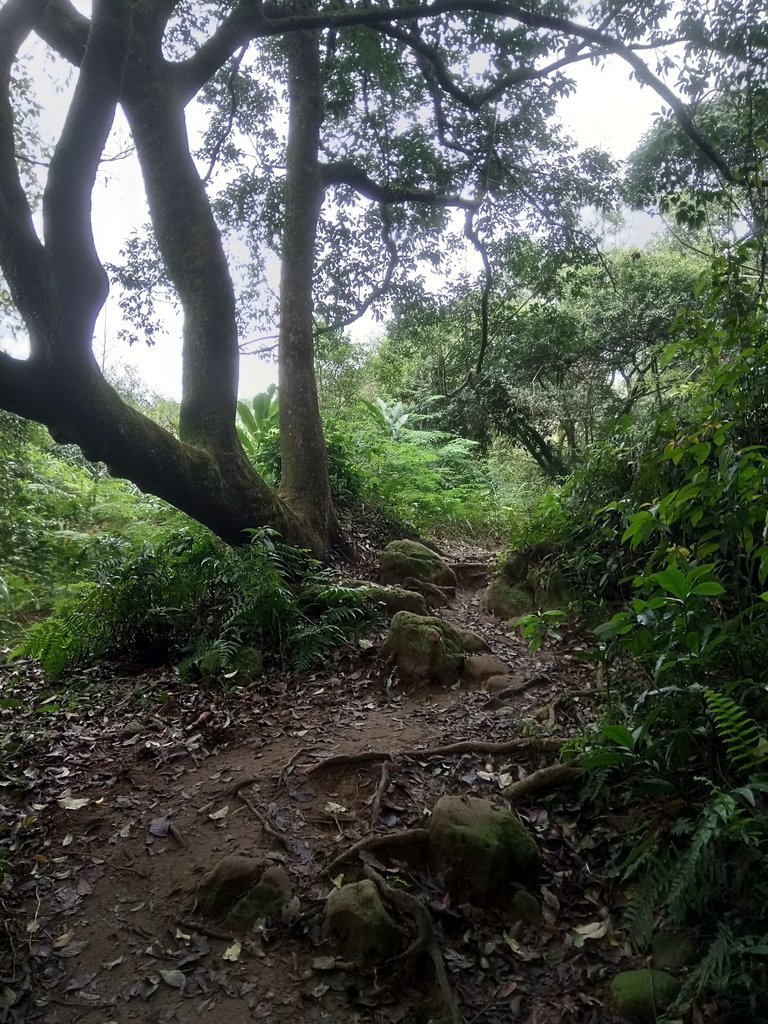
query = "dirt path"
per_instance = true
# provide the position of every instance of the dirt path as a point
(122, 798)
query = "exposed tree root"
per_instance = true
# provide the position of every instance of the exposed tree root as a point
(535, 744)
(203, 929)
(539, 679)
(397, 841)
(235, 790)
(424, 941)
(381, 792)
(544, 779)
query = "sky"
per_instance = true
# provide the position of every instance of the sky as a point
(607, 110)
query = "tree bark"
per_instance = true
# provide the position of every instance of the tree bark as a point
(304, 483)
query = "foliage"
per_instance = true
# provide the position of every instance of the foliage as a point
(188, 595)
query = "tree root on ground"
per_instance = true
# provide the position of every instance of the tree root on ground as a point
(539, 679)
(397, 841)
(424, 942)
(203, 929)
(544, 779)
(381, 792)
(535, 744)
(234, 790)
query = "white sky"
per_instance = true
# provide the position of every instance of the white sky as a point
(606, 110)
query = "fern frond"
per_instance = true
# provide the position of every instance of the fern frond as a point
(736, 730)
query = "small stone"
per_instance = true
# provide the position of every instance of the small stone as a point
(479, 848)
(403, 558)
(358, 924)
(480, 667)
(134, 728)
(673, 948)
(643, 994)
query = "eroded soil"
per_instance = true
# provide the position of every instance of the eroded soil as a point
(122, 793)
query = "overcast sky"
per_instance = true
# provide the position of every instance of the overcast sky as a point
(606, 110)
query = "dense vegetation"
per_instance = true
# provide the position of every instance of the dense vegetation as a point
(596, 415)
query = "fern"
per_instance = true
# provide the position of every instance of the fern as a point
(736, 730)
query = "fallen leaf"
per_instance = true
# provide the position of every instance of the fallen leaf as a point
(221, 813)
(232, 953)
(67, 840)
(63, 940)
(71, 803)
(109, 964)
(160, 827)
(173, 978)
(324, 963)
(593, 930)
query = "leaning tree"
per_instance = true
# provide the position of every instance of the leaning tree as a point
(400, 112)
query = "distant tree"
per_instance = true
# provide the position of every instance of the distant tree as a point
(416, 108)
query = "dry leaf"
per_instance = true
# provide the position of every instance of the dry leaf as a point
(232, 953)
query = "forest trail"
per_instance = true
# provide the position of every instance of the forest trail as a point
(138, 783)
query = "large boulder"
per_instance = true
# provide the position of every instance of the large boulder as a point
(357, 923)
(479, 848)
(243, 889)
(428, 648)
(643, 994)
(403, 558)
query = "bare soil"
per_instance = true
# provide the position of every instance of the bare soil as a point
(120, 793)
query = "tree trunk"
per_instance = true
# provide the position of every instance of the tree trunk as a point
(304, 483)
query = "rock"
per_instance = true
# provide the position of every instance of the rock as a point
(358, 924)
(479, 848)
(394, 599)
(244, 889)
(479, 667)
(506, 601)
(434, 596)
(471, 572)
(525, 907)
(495, 684)
(403, 558)
(425, 647)
(269, 896)
(673, 948)
(643, 994)
(134, 728)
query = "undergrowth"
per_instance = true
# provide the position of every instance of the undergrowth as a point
(220, 611)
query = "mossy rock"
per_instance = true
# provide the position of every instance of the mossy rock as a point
(358, 925)
(479, 848)
(271, 893)
(507, 601)
(403, 558)
(550, 591)
(427, 648)
(394, 599)
(673, 948)
(643, 994)
(243, 889)
(479, 667)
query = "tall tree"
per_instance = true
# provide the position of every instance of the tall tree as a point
(476, 81)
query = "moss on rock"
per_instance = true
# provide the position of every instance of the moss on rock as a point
(403, 558)
(479, 848)
(243, 889)
(358, 924)
(425, 647)
(394, 599)
(643, 994)
(507, 601)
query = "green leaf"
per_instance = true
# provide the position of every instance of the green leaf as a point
(620, 734)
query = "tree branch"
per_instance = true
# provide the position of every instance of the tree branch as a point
(344, 172)
(64, 29)
(81, 280)
(22, 256)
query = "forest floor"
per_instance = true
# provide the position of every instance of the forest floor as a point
(125, 787)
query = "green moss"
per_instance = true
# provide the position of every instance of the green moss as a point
(395, 599)
(403, 558)
(358, 924)
(643, 994)
(673, 948)
(506, 601)
(267, 897)
(426, 647)
(480, 848)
